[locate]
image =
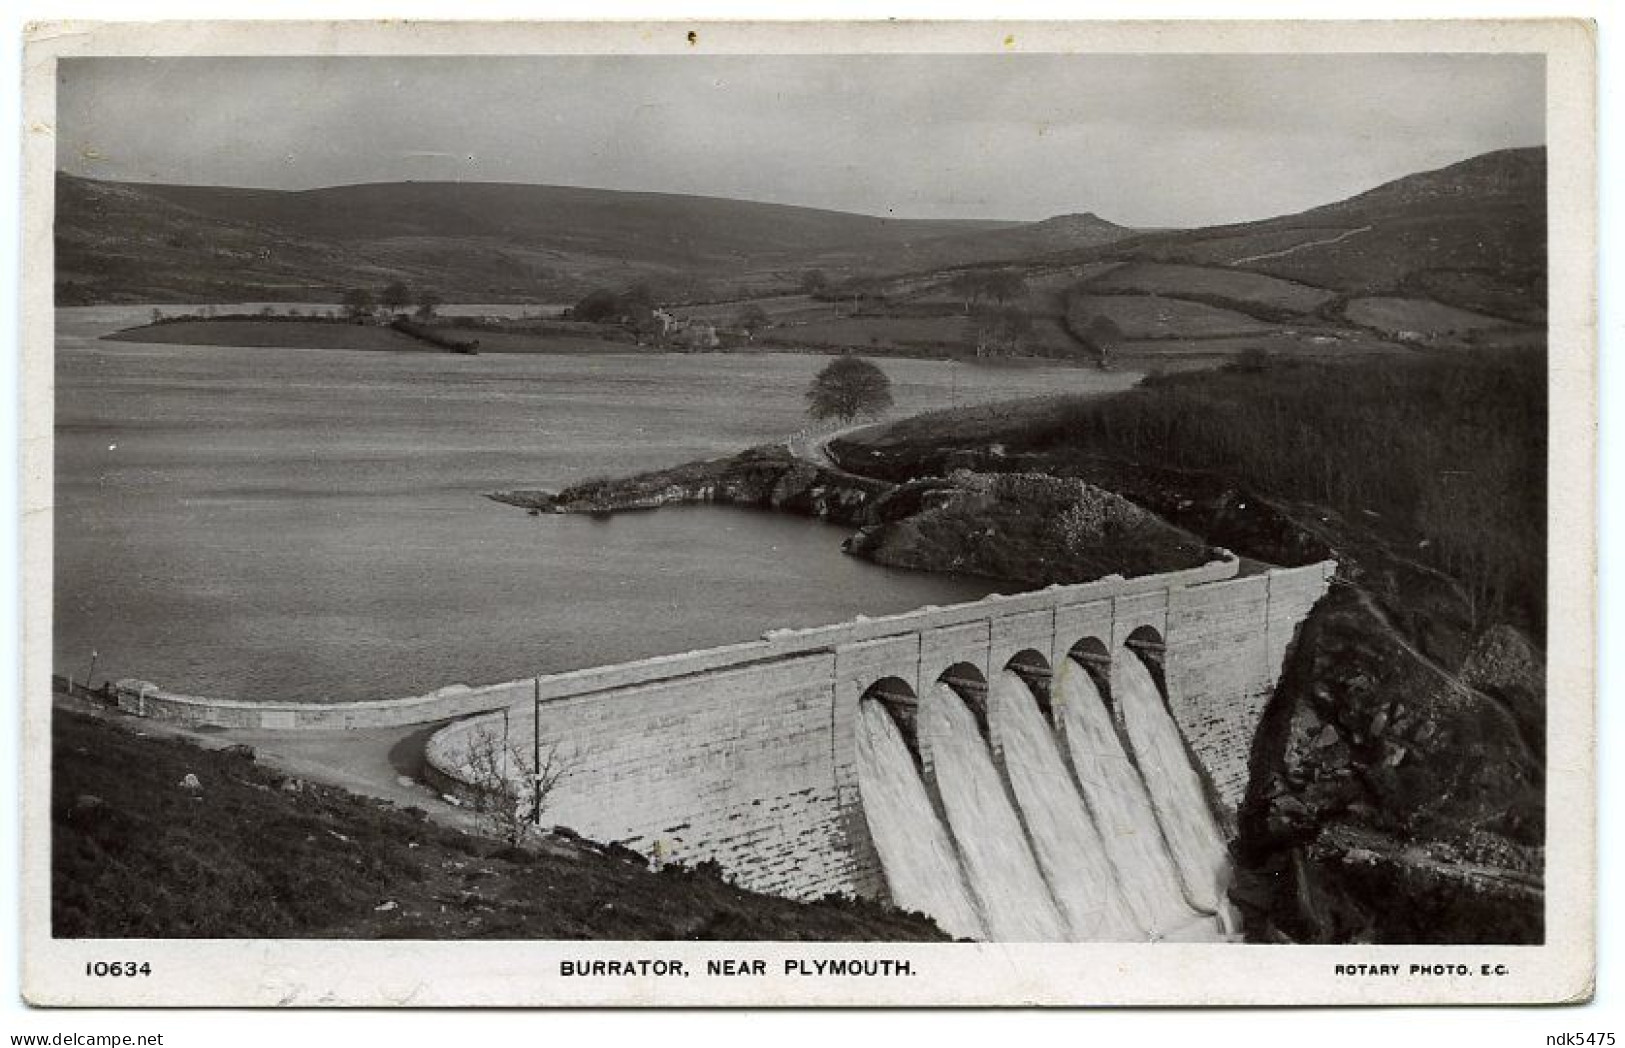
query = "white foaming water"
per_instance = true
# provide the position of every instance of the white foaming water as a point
(999, 864)
(921, 867)
(1116, 797)
(1069, 848)
(1176, 791)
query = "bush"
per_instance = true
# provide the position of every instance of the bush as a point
(430, 335)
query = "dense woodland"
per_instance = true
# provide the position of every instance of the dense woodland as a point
(1449, 450)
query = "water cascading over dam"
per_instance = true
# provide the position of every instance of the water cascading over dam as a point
(1069, 848)
(1049, 854)
(1177, 795)
(998, 862)
(923, 869)
(1121, 809)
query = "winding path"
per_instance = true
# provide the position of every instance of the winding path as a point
(1299, 247)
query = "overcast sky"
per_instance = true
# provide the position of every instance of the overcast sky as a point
(1141, 140)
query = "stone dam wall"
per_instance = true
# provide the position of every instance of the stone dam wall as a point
(746, 755)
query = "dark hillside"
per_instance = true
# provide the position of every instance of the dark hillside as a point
(469, 241)
(659, 226)
(1471, 235)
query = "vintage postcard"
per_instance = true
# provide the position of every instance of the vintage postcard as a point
(809, 514)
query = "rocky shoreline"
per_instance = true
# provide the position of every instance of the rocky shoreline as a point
(768, 477)
(1032, 529)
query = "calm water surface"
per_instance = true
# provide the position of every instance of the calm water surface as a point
(308, 524)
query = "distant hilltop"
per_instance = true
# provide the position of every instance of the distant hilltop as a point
(1481, 221)
(475, 241)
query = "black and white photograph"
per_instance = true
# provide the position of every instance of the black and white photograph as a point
(868, 501)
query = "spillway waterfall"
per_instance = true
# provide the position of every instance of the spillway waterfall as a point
(1078, 826)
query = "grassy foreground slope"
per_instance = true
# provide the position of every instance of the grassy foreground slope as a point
(250, 853)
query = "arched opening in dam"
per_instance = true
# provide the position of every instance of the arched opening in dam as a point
(918, 858)
(1115, 793)
(1066, 844)
(1177, 793)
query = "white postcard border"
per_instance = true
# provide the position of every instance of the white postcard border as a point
(299, 972)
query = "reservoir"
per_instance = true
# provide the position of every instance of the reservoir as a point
(309, 524)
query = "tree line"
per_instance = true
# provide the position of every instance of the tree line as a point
(1445, 453)
(394, 297)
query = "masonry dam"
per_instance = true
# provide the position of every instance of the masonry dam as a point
(1059, 765)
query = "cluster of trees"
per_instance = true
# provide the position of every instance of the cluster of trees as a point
(1095, 330)
(633, 305)
(855, 289)
(394, 298)
(999, 286)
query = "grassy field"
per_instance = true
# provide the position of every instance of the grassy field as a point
(1385, 258)
(1235, 285)
(1222, 248)
(524, 342)
(1329, 344)
(780, 309)
(864, 331)
(1156, 317)
(252, 854)
(293, 334)
(275, 334)
(1393, 315)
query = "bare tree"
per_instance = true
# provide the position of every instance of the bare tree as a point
(510, 788)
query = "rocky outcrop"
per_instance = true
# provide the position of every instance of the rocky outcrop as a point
(1390, 800)
(1507, 666)
(1023, 527)
(767, 477)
